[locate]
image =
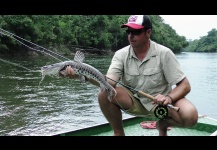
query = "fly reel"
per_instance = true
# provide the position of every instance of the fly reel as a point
(161, 112)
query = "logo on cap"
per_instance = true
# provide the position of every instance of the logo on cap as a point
(132, 19)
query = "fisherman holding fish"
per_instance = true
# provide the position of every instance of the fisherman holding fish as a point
(149, 67)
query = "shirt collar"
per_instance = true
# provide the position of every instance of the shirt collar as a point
(151, 52)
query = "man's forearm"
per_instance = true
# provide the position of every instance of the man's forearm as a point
(181, 90)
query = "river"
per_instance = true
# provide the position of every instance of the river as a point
(30, 106)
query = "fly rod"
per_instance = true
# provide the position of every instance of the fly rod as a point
(144, 94)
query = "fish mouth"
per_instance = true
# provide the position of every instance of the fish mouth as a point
(47, 66)
(43, 68)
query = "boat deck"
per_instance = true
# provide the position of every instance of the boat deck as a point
(205, 127)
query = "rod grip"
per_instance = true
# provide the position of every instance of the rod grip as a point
(152, 98)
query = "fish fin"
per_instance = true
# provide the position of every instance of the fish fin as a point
(82, 78)
(105, 78)
(63, 73)
(79, 57)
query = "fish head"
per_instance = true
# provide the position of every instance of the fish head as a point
(52, 69)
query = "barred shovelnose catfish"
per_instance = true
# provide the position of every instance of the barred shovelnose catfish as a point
(81, 69)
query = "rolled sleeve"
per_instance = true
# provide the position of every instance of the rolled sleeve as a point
(172, 69)
(117, 64)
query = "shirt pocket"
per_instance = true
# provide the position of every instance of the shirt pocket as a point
(131, 77)
(153, 77)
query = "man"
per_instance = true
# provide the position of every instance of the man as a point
(149, 67)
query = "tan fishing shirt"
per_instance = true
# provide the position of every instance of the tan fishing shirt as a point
(156, 74)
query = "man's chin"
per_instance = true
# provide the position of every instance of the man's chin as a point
(133, 44)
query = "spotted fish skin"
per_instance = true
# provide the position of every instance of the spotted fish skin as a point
(81, 69)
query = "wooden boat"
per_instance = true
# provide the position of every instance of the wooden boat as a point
(206, 126)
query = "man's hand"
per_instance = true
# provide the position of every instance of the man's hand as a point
(162, 100)
(69, 72)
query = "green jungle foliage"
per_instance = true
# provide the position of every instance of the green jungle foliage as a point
(204, 44)
(60, 33)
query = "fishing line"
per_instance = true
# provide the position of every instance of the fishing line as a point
(7, 33)
(44, 50)
(18, 65)
(5, 61)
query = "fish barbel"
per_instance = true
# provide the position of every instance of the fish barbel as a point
(81, 69)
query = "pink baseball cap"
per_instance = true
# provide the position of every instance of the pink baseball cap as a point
(138, 22)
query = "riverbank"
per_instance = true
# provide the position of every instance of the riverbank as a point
(64, 52)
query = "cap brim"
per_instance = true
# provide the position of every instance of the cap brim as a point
(132, 25)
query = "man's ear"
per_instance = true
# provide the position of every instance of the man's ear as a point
(148, 33)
